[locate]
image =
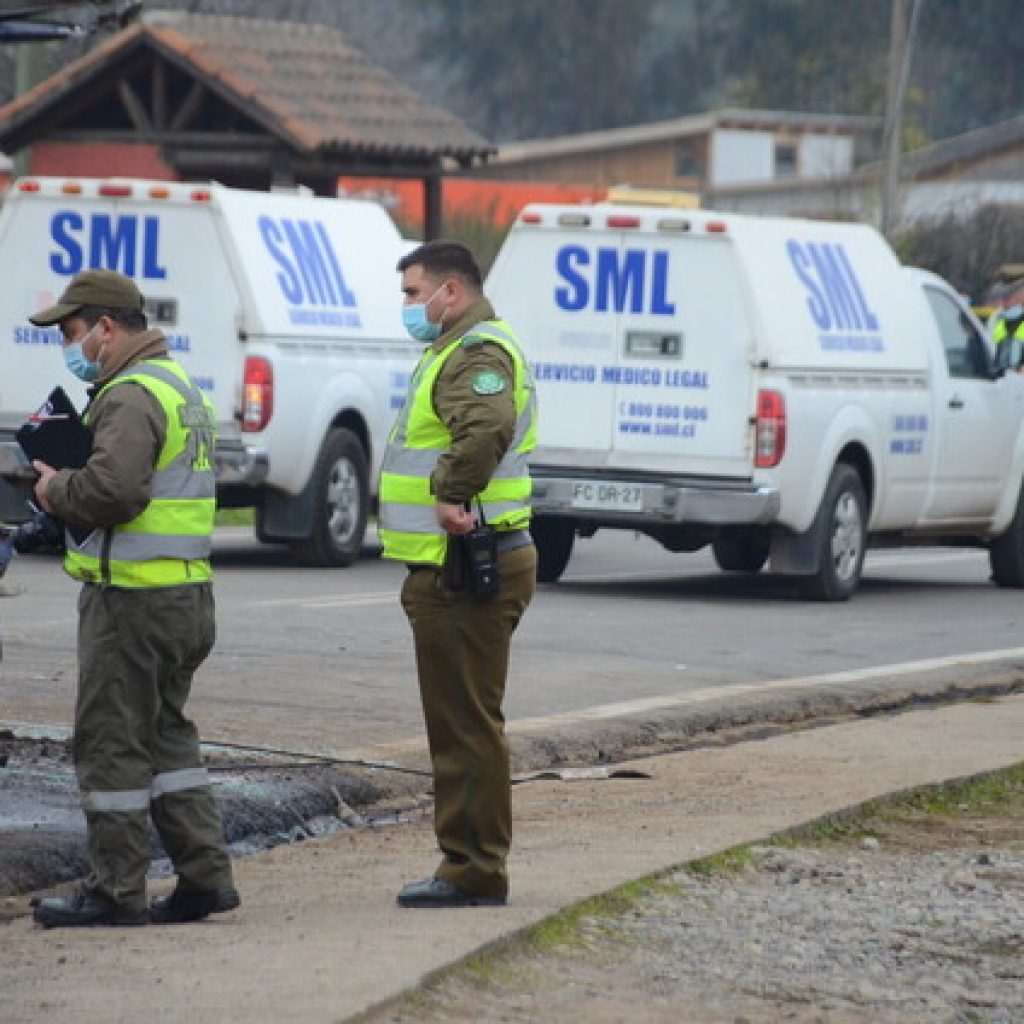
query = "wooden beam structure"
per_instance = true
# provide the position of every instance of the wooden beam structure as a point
(249, 103)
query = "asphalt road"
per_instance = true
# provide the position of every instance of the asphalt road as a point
(320, 660)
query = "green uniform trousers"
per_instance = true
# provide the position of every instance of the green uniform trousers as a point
(136, 754)
(462, 651)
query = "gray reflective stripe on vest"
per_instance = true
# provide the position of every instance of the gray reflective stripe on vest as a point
(422, 519)
(421, 462)
(185, 388)
(411, 461)
(179, 480)
(144, 547)
(410, 519)
(199, 433)
(176, 781)
(105, 800)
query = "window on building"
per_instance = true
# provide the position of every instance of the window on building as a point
(785, 160)
(690, 162)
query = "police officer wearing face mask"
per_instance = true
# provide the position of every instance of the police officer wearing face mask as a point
(1007, 323)
(457, 455)
(141, 515)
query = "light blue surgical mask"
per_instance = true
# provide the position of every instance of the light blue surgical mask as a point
(417, 323)
(1014, 312)
(77, 362)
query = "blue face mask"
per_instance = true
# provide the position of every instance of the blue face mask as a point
(82, 367)
(417, 323)
(1014, 312)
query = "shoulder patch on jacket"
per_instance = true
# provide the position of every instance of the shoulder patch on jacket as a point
(489, 383)
(473, 339)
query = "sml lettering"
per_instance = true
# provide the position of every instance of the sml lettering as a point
(835, 298)
(309, 271)
(613, 280)
(127, 243)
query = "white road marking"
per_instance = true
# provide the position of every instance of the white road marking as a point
(874, 561)
(679, 700)
(341, 601)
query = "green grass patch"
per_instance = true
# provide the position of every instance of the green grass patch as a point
(565, 929)
(978, 795)
(987, 795)
(728, 862)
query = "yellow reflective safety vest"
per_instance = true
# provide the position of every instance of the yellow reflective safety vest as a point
(408, 525)
(1001, 333)
(169, 542)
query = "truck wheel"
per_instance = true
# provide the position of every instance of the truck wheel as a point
(553, 538)
(844, 538)
(1006, 553)
(741, 550)
(340, 500)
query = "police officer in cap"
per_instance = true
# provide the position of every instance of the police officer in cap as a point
(457, 458)
(1006, 325)
(140, 515)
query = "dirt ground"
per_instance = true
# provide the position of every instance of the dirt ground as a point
(594, 969)
(319, 939)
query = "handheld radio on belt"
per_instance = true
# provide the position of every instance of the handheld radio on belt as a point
(472, 562)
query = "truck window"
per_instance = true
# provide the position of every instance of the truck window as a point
(966, 354)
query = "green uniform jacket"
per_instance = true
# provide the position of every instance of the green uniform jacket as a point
(129, 427)
(482, 426)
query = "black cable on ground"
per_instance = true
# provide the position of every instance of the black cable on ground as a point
(322, 758)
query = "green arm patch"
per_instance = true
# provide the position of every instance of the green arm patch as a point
(489, 383)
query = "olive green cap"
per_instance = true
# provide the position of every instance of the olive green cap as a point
(104, 288)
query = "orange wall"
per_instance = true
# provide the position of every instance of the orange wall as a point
(497, 201)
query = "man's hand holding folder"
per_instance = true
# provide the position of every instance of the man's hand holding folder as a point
(54, 438)
(54, 434)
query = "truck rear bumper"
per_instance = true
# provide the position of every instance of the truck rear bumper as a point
(236, 464)
(631, 501)
(239, 464)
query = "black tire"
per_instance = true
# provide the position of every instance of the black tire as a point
(1006, 554)
(844, 538)
(741, 550)
(340, 504)
(553, 538)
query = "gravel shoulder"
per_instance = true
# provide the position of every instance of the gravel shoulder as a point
(910, 909)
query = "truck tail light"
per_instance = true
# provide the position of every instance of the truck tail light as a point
(769, 429)
(257, 393)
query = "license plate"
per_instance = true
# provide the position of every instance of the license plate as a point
(611, 497)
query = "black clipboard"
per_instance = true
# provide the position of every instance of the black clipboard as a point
(55, 434)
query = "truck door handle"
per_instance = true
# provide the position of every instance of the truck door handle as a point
(956, 402)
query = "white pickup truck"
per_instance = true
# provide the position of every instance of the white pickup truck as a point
(780, 389)
(284, 308)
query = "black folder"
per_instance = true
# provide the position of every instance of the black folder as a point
(55, 434)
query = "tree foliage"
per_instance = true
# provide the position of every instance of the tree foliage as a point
(534, 68)
(814, 55)
(966, 251)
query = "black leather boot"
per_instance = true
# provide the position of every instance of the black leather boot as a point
(185, 905)
(84, 909)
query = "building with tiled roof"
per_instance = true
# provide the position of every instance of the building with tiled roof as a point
(248, 102)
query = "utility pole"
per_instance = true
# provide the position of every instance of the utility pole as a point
(903, 27)
(29, 65)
